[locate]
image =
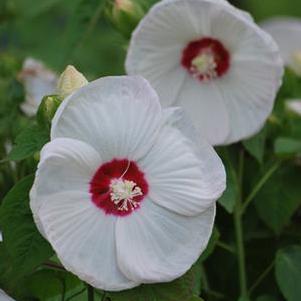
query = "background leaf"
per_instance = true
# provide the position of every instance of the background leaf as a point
(288, 272)
(28, 142)
(286, 147)
(180, 289)
(229, 197)
(279, 198)
(256, 145)
(26, 247)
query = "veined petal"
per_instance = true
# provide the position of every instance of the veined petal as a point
(119, 116)
(83, 237)
(181, 178)
(65, 165)
(206, 107)
(157, 245)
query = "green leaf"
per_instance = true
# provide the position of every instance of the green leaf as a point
(27, 248)
(266, 298)
(287, 147)
(195, 298)
(288, 272)
(256, 145)
(49, 285)
(180, 289)
(279, 198)
(28, 142)
(230, 195)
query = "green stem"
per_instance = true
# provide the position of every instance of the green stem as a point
(226, 247)
(259, 185)
(261, 277)
(90, 293)
(239, 232)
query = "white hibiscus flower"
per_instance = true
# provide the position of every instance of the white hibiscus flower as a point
(38, 81)
(211, 59)
(4, 296)
(287, 33)
(121, 192)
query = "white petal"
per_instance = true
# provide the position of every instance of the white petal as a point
(119, 116)
(183, 178)
(294, 105)
(156, 245)
(4, 296)
(38, 82)
(287, 33)
(65, 165)
(222, 110)
(204, 104)
(251, 101)
(83, 237)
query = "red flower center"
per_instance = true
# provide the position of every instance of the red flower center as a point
(118, 187)
(206, 59)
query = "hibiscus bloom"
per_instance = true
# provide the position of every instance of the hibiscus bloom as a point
(38, 81)
(287, 33)
(121, 192)
(211, 59)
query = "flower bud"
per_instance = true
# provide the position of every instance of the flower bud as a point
(296, 62)
(70, 81)
(47, 109)
(124, 14)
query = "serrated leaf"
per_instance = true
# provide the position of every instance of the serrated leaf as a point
(229, 197)
(28, 142)
(27, 248)
(279, 198)
(287, 147)
(288, 272)
(180, 289)
(256, 145)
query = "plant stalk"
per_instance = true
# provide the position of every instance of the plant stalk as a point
(239, 232)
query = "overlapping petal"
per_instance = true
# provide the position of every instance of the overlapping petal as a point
(178, 177)
(83, 238)
(120, 117)
(157, 245)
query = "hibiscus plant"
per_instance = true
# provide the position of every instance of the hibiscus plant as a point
(168, 169)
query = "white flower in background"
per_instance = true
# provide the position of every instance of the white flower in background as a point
(287, 33)
(4, 296)
(1, 237)
(294, 105)
(121, 192)
(70, 81)
(38, 81)
(211, 59)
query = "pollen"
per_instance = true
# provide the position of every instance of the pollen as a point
(123, 193)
